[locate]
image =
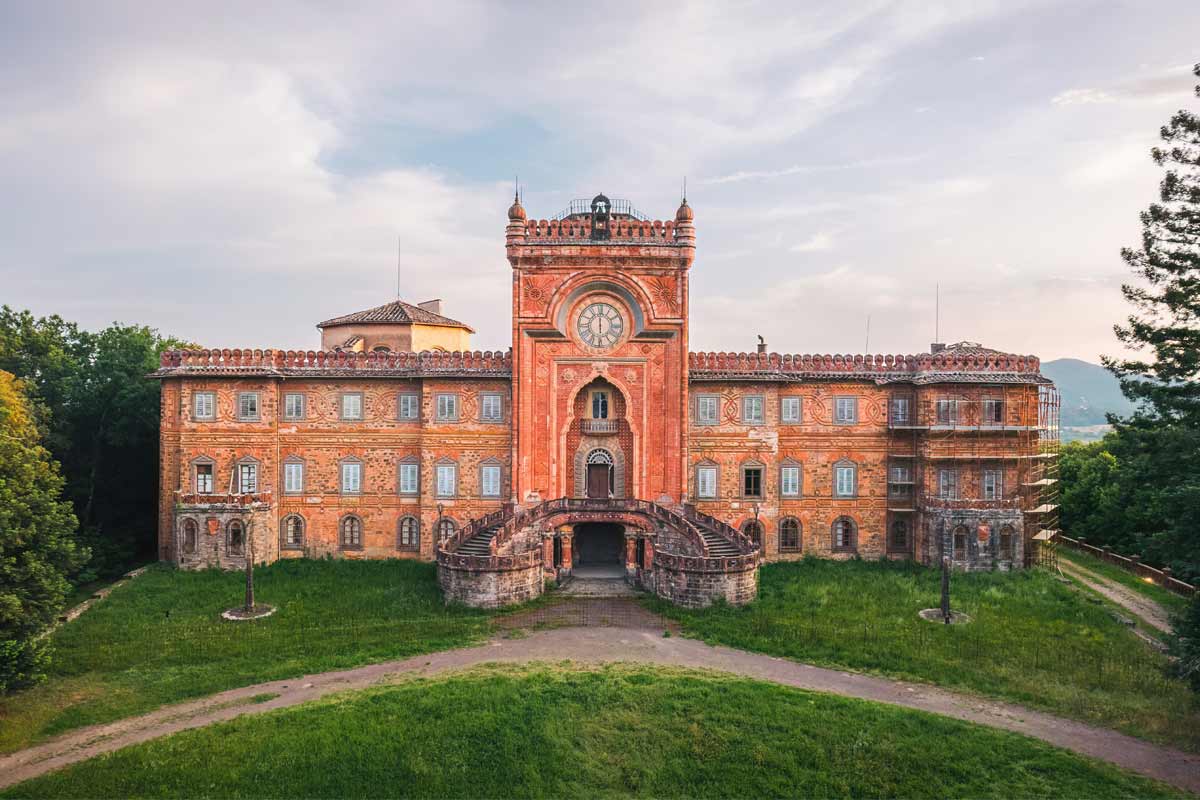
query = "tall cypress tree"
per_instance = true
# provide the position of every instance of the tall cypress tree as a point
(1166, 318)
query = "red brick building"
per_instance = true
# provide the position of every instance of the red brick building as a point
(598, 443)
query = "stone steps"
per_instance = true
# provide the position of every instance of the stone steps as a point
(479, 544)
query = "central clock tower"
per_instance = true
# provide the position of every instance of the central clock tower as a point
(599, 389)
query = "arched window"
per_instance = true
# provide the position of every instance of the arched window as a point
(190, 534)
(960, 543)
(292, 532)
(900, 535)
(351, 534)
(1008, 538)
(789, 535)
(445, 528)
(845, 535)
(753, 530)
(409, 535)
(235, 541)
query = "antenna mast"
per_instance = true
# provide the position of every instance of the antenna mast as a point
(937, 312)
(398, 242)
(867, 349)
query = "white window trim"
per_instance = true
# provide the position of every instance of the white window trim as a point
(484, 397)
(701, 419)
(784, 469)
(761, 418)
(784, 414)
(287, 397)
(415, 399)
(483, 470)
(415, 465)
(212, 406)
(437, 400)
(700, 494)
(838, 466)
(342, 487)
(293, 462)
(437, 474)
(237, 473)
(257, 407)
(837, 410)
(342, 406)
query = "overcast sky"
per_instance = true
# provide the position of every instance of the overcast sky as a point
(234, 173)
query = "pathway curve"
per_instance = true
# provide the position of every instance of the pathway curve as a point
(1146, 609)
(602, 646)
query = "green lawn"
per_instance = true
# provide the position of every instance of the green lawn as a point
(1169, 600)
(553, 732)
(1033, 640)
(159, 639)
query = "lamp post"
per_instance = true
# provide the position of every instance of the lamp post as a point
(438, 524)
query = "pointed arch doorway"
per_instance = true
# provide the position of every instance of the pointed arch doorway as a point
(600, 474)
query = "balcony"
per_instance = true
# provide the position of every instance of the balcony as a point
(599, 426)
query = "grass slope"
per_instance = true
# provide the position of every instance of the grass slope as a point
(159, 638)
(1032, 640)
(620, 731)
(1172, 602)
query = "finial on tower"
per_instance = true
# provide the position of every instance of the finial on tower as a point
(516, 212)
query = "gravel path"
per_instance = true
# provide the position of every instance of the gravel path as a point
(1143, 607)
(606, 645)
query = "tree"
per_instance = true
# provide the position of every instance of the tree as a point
(1166, 318)
(37, 539)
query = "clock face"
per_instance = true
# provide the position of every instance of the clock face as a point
(600, 325)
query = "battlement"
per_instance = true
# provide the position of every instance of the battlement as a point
(333, 362)
(992, 367)
(576, 231)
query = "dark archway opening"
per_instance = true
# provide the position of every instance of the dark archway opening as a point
(599, 550)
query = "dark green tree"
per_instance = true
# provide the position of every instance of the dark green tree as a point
(37, 540)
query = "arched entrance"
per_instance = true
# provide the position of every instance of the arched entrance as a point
(599, 550)
(600, 474)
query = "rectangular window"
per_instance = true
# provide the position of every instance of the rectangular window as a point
(789, 409)
(204, 405)
(491, 407)
(993, 484)
(409, 405)
(599, 405)
(351, 477)
(752, 409)
(947, 412)
(845, 410)
(789, 481)
(845, 479)
(706, 482)
(993, 412)
(752, 482)
(352, 405)
(447, 407)
(489, 480)
(248, 405)
(293, 477)
(293, 405)
(948, 483)
(706, 409)
(900, 482)
(447, 480)
(899, 411)
(204, 478)
(247, 478)
(409, 478)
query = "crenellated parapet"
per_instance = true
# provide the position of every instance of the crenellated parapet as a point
(576, 231)
(990, 366)
(321, 363)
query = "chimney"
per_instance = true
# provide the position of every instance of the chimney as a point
(432, 306)
(762, 344)
(936, 348)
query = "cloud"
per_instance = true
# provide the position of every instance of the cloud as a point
(1082, 97)
(816, 242)
(1171, 84)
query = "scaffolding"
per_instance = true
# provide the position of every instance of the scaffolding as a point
(988, 434)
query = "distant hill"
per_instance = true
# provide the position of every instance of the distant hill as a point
(1088, 391)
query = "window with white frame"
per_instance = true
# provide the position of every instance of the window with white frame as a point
(447, 407)
(706, 409)
(845, 410)
(247, 477)
(293, 477)
(293, 405)
(789, 480)
(948, 483)
(351, 533)
(706, 482)
(204, 477)
(489, 480)
(845, 479)
(491, 407)
(993, 411)
(900, 482)
(947, 412)
(409, 480)
(248, 405)
(993, 484)
(204, 405)
(900, 410)
(789, 409)
(752, 409)
(408, 405)
(352, 405)
(352, 476)
(447, 480)
(600, 405)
